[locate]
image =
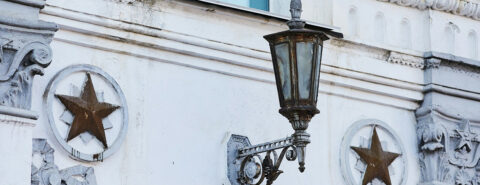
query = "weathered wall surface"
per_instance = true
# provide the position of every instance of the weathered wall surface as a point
(193, 76)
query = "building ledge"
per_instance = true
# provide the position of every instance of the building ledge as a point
(329, 30)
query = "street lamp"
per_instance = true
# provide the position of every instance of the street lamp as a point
(296, 56)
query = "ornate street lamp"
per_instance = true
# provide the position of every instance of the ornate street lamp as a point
(296, 56)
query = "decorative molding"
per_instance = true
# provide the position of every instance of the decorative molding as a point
(467, 8)
(24, 53)
(447, 128)
(451, 92)
(449, 150)
(445, 70)
(49, 174)
(28, 24)
(33, 3)
(384, 54)
(432, 63)
(25, 62)
(127, 1)
(18, 112)
(259, 69)
(16, 120)
(404, 59)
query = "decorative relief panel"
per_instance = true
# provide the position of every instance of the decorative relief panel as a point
(24, 53)
(87, 112)
(47, 173)
(20, 62)
(371, 153)
(467, 8)
(449, 148)
(404, 59)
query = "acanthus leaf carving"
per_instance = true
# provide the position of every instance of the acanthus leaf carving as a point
(22, 65)
(449, 155)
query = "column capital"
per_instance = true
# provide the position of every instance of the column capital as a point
(24, 53)
(448, 124)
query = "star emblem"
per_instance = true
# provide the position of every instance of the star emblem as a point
(67, 117)
(88, 113)
(377, 161)
(466, 136)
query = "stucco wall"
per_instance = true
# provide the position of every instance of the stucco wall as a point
(193, 76)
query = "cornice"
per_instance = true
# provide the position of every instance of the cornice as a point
(240, 62)
(28, 24)
(467, 8)
(471, 63)
(459, 65)
(385, 54)
(19, 113)
(33, 3)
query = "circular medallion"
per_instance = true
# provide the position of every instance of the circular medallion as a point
(87, 112)
(371, 153)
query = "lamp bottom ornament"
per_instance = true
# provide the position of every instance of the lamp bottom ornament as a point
(253, 165)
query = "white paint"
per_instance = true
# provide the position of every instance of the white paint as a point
(379, 29)
(473, 44)
(405, 34)
(192, 77)
(185, 95)
(15, 155)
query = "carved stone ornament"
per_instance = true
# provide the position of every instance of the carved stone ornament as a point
(467, 8)
(404, 59)
(449, 148)
(24, 53)
(87, 112)
(371, 153)
(20, 61)
(49, 174)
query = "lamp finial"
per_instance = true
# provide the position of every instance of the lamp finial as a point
(296, 12)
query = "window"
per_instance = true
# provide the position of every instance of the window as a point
(257, 4)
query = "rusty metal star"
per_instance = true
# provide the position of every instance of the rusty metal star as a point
(88, 113)
(377, 161)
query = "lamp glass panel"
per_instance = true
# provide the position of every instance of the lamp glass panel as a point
(283, 62)
(304, 67)
(317, 71)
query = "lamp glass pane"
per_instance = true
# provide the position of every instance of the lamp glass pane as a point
(304, 67)
(283, 62)
(317, 71)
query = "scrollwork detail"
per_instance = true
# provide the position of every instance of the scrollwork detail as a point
(49, 174)
(253, 173)
(448, 154)
(16, 82)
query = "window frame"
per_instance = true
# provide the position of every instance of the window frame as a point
(329, 30)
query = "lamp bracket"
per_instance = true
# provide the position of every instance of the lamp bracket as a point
(246, 166)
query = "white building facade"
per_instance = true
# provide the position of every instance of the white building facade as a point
(185, 75)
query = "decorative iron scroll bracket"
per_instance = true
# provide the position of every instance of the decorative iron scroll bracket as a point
(246, 166)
